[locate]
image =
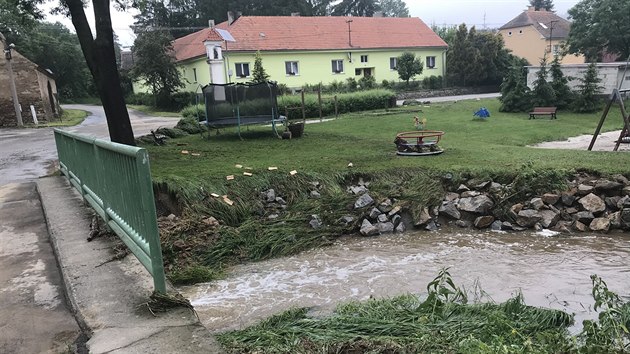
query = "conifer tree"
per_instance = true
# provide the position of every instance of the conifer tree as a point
(587, 99)
(514, 92)
(542, 92)
(560, 85)
(259, 75)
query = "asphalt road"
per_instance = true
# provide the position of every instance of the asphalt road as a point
(26, 154)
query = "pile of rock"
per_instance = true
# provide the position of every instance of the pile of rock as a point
(272, 203)
(590, 204)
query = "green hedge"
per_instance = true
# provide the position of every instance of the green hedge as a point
(346, 102)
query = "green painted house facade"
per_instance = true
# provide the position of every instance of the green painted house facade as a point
(307, 50)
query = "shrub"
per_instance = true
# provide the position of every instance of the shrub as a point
(367, 82)
(190, 125)
(346, 102)
(351, 84)
(197, 111)
(142, 98)
(432, 82)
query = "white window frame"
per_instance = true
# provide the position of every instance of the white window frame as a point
(393, 60)
(428, 62)
(292, 68)
(364, 56)
(242, 67)
(337, 66)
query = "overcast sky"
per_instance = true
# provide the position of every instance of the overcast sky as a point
(492, 13)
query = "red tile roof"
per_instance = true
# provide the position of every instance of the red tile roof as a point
(277, 33)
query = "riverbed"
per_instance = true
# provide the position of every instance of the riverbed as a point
(550, 270)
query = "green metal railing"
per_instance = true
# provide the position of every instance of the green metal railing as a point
(115, 179)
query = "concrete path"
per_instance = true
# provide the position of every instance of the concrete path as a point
(34, 317)
(110, 296)
(452, 98)
(26, 154)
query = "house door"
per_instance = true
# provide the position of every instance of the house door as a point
(367, 72)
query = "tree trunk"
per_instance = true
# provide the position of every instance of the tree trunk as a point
(101, 60)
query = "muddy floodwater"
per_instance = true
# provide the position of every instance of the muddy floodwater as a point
(550, 270)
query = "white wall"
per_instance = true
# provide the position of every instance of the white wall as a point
(611, 74)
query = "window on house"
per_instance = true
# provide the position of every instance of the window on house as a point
(627, 78)
(364, 58)
(430, 62)
(357, 72)
(242, 69)
(393, 63)
(337, 66)
(291, 67)
(195, 74)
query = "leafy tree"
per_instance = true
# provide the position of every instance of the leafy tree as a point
(259, 74)
(447, 33)
(546, 5)
(600, 26)
(559, 84)
(394, 8)
(514, 91)
(408, 66)
(365, 8)
(155, 65)
(18, 16)
(588, 91)
(542, 93)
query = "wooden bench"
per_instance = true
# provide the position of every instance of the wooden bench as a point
(543, 111)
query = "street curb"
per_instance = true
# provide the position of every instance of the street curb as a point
(107, 297)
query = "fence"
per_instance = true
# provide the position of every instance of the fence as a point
(115, 179)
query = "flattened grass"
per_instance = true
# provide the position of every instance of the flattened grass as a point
(366, 139)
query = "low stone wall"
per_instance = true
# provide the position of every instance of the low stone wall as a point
(454, 91)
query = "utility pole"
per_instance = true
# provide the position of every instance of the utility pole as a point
(16, 103)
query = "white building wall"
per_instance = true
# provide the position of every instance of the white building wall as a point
(611, 74)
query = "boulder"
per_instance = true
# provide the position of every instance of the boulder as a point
(450, 196)
(623, 200)
(600, 225)
(537, 203)
(562, 226)
(579, 226)
(468, 194)
(621, 179)
(497, 225)
(346, 220)
(367, 229)
(358, 190)
(394, 211)
(550, 198)
(571, 210)
(315, 195)
(592, 203)
(528, 218)
(280, 201)
(483, 221)
(382, 218)
(211, 221)
(515, 209)
(386, 206)
(567, 199)
(625, 191)
(270, 195)
(479, 205)
(423, 218)
(462, 188)
(396, 219)
(363, 183)
(482, 185)
(374, 213)
(171, 217)
(385, 227)
(463, 223)
(625, 218)
(615, 220)
(585, 217)
(431, 226)
(612, 202)
(608, 187)
(400, 228)
(364, 201)
(584, 189)
(315, 184)
(315, 222)
(549, 218)
(495, 187)
(450, 209)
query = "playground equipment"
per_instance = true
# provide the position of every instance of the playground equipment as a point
(615, 96)
(418, 143)
(242, 104)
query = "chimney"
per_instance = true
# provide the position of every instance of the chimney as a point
(531, 8)
(211, 23)
(230, 19)
(295, 14)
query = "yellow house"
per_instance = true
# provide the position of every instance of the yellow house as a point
(532, 34)
(307, 50)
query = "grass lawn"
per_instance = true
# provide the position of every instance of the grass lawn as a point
(152, 111)
(69, 118)
(366, 140)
